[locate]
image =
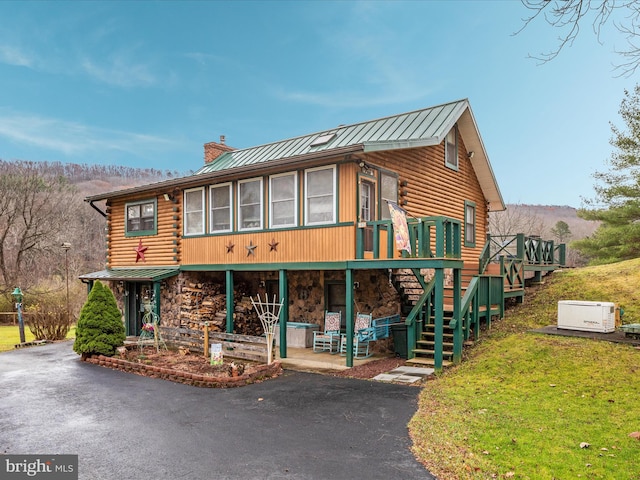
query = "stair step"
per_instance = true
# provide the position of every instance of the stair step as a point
(430, 343)
(430, 352)
(427, 361)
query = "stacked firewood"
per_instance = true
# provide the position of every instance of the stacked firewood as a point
(204, 302)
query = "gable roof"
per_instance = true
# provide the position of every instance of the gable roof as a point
(420, 128)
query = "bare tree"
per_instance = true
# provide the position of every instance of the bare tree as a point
(515, 219)
(35, 212)
(567, 16)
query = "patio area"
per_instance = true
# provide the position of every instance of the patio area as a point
(304, 359)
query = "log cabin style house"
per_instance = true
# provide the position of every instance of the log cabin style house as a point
(307, 220)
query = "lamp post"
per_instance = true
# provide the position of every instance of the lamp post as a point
(66, 246)
(17, 296)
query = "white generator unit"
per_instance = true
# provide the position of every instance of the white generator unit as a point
(587, 316)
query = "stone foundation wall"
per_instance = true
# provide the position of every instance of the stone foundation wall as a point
(373, 294)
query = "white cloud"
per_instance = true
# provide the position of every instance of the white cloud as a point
(14, 56)
(76, 139)
(120, 72)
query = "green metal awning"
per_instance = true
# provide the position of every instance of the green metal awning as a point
(132, 274)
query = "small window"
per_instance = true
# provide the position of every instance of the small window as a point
(469, 224)
(388, 193)
(250, 204)
(451, 149)
(284, 200)
(141, 218)
(194, 211)
(220, 208)
(320, 203)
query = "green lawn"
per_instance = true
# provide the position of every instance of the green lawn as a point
(521, 404)
(10, 336)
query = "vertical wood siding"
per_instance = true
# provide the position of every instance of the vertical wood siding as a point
(303, 245)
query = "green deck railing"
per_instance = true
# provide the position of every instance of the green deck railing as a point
(429, 237)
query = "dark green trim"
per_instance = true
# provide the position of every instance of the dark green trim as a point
(142, 233)
(229, 292)
(349, 315)
(469, 203)
(364, 264)
(157, 294)
(272, 230)
(283, 292)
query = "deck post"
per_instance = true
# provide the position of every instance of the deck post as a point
(283, 292)
(349, 315)
(229, 292)
(438, 327)
(457, 331)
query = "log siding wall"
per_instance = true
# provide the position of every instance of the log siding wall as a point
(436, 190)
(433, 190)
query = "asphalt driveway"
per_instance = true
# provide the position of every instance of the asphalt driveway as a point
(124, 426)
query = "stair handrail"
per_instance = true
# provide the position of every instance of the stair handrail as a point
(411, 321)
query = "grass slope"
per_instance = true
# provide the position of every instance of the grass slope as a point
(521, 404)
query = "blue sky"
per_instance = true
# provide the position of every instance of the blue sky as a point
(146, 84)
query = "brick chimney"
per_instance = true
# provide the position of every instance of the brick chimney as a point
(213, 150)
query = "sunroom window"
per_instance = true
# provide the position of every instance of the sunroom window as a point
(250, 204)
(451, 149)
(320, 188)
(284, 199)
(141, 218)
(194, 211)
(220, 208)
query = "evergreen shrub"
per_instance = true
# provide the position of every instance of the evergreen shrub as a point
(100, 329)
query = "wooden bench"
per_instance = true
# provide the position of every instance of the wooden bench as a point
(242, 347)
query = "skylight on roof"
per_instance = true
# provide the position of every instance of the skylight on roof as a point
(323, 139)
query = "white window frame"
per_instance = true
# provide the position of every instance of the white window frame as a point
(307, 220)
(213, 207)
(187, 212)
(450, 148)
(273, 202)
(260, 204)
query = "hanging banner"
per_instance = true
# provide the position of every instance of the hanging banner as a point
(400, 229)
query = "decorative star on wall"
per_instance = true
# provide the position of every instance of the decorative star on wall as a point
(273, 246)
(230, 247)
(140, 251)
(251, 248)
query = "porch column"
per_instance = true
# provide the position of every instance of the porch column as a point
(156, 294)
(284, 311)
(349, 315)
(229, 285)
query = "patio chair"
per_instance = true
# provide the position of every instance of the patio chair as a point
(363, 336)
(329, 340)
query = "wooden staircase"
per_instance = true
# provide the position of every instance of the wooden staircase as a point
(410, 291)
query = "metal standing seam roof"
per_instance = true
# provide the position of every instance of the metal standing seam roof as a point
(414, 129)
(420, 128)
(141, 274)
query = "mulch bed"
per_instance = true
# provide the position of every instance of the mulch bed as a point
(192, 369)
